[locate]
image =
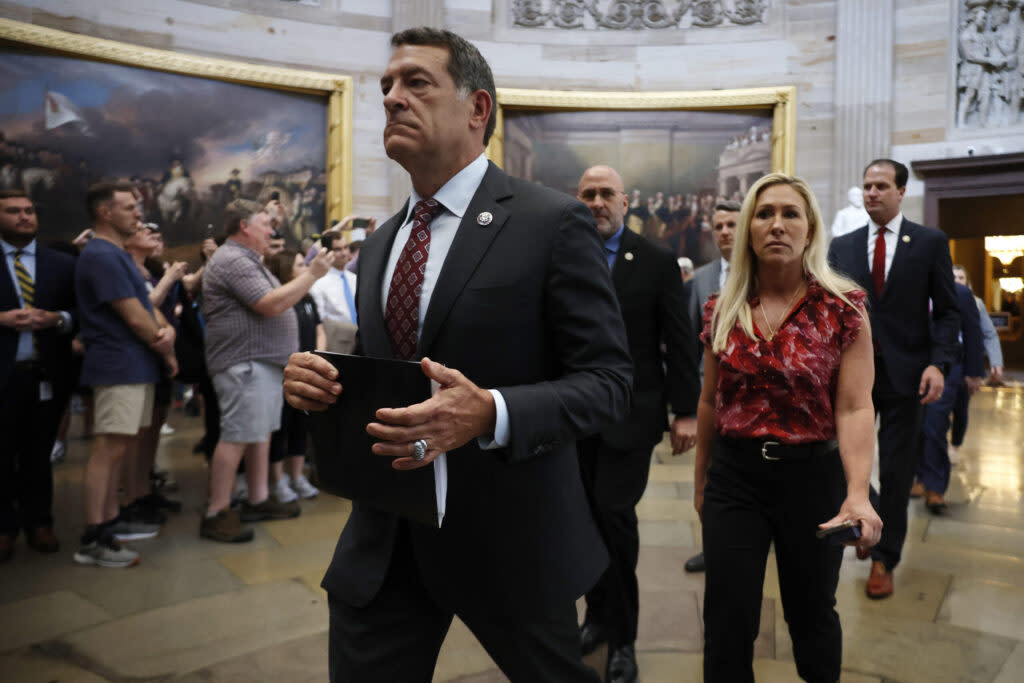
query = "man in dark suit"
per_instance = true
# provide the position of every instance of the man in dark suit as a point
(707, 280)
(615, 462)
(903, 266)
(37, 298)
(505, 283)
(933, 470)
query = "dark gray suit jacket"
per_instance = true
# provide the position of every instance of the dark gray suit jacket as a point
(524, 305)
(703, 284)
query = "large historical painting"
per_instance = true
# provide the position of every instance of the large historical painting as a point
(990, 64)
(191, 144)
(676, 164)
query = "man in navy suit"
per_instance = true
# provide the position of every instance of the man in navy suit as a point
(615, 463)
(504, 281)
(969, 368)
(37, 299)
(903, 266)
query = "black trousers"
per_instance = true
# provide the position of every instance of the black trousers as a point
(29, 428)
(397, 637)
(961, 408)
(900, 446)
(211, 416)
(614, 481)
(750, 503)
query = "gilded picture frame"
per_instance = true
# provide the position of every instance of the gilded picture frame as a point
(781, 100)
(679, 153)
(334, 91)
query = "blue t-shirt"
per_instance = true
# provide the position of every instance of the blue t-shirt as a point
(113, 354)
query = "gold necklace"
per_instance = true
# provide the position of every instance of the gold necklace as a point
(760, 302)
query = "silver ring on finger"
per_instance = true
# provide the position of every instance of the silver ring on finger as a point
(419, 449)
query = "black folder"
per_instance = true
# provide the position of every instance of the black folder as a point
(345, 465)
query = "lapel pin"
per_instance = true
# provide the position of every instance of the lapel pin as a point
(628, 256)
(906, 238)
(484, 218)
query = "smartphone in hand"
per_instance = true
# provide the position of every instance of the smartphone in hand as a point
(841, 533)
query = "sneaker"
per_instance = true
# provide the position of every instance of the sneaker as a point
(283, 492)
(269, 509)
(138, 511)
(303, 488)
(158, 501)
(166, 429)
(106, 552)
(226, 527)
(125, 530)
(241, 492)
(59, 452)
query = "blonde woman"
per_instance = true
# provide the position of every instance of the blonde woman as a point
(785, 437)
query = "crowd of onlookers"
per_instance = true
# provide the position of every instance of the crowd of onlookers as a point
(106, 320)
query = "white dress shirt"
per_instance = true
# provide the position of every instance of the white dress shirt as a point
(454, 196)
(891, 240)
(329, 295)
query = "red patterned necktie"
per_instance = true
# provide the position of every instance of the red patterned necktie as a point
(402, 312)
(878, 262)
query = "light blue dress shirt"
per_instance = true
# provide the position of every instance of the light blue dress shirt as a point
(26, 351)
(611, 246)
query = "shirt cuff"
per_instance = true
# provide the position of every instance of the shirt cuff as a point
(501, 436)
(67, 321)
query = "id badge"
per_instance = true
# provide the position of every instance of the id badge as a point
(45, 391)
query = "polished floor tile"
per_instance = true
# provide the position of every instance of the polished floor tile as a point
(198, 633)
(196, 611)
(28, 621)
(986, 606)
(29, 666)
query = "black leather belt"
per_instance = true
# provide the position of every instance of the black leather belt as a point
(27, 365)
(773, 451)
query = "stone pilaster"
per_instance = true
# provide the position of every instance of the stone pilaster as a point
(863, 93)
(408, 13)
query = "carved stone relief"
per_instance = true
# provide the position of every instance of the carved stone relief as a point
(636, 14)
(990, 64)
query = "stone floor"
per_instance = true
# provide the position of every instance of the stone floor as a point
(199, 611)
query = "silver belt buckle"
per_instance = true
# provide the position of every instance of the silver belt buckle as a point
(764, 450)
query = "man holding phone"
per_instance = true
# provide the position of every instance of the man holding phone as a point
(334, 294)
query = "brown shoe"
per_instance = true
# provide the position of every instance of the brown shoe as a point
(935, 503)
(225, 527)
(271, 508)
(42, 540)
(6, 548)
(917, 490)
(880, 582)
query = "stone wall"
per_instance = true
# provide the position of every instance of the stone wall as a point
(795, 44)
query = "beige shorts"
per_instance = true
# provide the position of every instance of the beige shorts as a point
(122, 408)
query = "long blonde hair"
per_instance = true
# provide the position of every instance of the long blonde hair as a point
(742, 279)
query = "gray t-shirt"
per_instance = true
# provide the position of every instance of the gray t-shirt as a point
(233, 281)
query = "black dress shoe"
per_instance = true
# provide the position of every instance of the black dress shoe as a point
(592, 636)
(695, 563)
(622, 666)
(6, 547)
